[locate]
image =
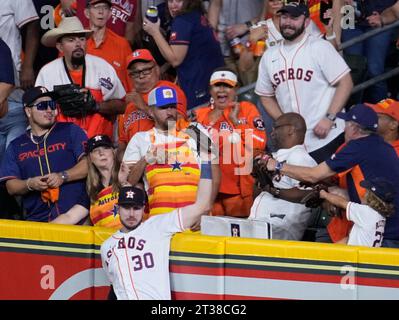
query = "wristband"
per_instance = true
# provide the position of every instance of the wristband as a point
(27, 185)
(206, 170)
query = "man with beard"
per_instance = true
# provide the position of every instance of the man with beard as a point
(171, 175)
(145, 76)
(47, 164)
(136, 258)
(88, 71)
(306, 75)
(278, 204)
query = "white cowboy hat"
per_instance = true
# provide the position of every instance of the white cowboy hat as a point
(68, 25)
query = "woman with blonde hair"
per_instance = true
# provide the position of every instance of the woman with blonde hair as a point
(103, 182)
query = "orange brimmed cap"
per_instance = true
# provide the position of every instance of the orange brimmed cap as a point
(389, 107)
(227, 77)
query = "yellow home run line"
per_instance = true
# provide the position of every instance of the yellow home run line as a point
(282, 264)
(48, 248)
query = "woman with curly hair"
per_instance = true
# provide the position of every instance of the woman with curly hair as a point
(370, 216)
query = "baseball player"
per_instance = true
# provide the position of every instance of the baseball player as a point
(136, 258)
(368, 217)
(306, 75)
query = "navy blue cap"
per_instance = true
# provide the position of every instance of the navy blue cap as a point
(131, 196)
(381, 187)
(32, 94)
(361, 114)
(162, 96)
(295, 9)
(98, 141)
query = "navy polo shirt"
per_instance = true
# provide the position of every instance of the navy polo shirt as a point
(203, 56)
(24, 158)
(375, 158)
(6, 65)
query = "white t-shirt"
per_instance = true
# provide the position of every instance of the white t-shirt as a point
(368, 228)
(14, 14)
(274, 36)
(303, 80)
(141, 143)
(289, 220)
(137, 262)
(100, 76)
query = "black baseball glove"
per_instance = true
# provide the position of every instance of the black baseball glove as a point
(204, 143)
(263, 177)
(312, 199)
(73, 102)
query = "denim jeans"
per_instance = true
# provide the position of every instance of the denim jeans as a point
(375, 49)
(12, 125)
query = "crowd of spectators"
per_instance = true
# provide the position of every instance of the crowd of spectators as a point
(165, 88)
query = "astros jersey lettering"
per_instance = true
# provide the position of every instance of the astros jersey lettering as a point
(137, 262)
(302, 78)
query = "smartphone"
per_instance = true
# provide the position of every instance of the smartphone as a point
(324, 6)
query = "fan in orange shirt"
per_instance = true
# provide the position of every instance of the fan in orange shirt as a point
(238, 129)
(144, 73)
(105, 43)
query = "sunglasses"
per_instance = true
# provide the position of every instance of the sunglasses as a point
(44, 105)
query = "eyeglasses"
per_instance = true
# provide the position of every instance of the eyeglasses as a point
(44, 105)
(139, 73)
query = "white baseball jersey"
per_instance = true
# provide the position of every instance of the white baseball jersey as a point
(288, 220)
(302, 77)
(368, 228)
(274, 36)
(137, 262)
(100, 76)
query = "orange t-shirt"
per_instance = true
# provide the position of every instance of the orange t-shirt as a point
(231, 161)
(135, 120)
(114, 49)
(93, 124)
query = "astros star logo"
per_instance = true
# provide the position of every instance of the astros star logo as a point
(98, 138)
(129, 194)
(176, 166)
(114, 211)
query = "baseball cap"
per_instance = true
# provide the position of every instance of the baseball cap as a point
(362, 115)
(131, 196)
(162, 96)
(381, 187)
(93, 2)
(227, 77)
(389, 107)
(139, 55)
(32, 94)
(98, 141)
(295, 9)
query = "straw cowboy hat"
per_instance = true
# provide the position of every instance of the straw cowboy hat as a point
(68, 25)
